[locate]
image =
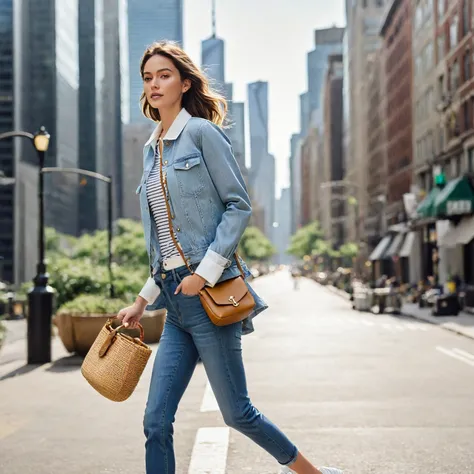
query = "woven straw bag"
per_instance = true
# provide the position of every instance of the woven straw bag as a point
(115, 362)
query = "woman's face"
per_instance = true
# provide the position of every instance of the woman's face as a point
(162, 82)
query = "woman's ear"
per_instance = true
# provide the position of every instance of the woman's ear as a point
(186, 85)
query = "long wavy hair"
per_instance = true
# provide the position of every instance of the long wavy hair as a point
(199, 100)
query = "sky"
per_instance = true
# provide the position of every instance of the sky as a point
(266, 40)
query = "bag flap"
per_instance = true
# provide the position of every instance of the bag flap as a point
(227, 292)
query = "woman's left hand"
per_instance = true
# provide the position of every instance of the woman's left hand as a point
(191, 285)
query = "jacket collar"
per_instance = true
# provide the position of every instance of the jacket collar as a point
(174, 131)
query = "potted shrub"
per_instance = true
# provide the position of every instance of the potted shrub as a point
(80, 320)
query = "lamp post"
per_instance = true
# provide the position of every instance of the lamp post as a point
(40, 297)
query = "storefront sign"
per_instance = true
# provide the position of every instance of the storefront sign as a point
(463, 206)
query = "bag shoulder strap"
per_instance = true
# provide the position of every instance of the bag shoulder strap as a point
(168, 211)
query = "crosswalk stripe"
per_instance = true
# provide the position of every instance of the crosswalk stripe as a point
(209, 454)
(455, 355)
(464, 353)
(209, 402)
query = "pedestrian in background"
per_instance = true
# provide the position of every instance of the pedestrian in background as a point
(188, 161)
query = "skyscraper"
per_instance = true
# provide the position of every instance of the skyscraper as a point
(238, 134)
(258, 123)
(149, 21)
(45, 47)
(103, 105)
(327, 41)
(212, 57)
(7, 164)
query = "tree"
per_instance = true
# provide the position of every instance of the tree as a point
(349, 250)
(255, 246)
(306, 240)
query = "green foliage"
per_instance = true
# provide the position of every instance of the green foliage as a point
(254, 246)
(92, 304)
(307, 240)
(321, 248)
(79, 265)
(349, 250)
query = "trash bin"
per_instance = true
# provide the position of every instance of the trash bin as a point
(446, 305)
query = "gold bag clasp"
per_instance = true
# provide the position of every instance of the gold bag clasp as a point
(232, 300)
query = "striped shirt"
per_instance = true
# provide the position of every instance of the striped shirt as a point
(156, 201)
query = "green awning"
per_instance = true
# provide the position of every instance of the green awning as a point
(456, 198)
(426, 207)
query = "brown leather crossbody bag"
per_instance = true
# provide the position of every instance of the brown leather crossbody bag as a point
(227, 302)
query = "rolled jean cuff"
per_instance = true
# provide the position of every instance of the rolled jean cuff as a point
(292, 459)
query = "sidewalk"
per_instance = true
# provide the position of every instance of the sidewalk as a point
(462, 324)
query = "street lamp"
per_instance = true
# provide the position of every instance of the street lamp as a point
(40, 298)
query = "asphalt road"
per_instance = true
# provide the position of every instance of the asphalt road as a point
(367, 393)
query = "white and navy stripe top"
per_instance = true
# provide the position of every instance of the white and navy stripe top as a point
(156, 201)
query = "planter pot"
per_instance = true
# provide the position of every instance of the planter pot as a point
(78, 331)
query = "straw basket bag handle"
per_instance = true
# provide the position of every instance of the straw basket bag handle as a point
(115, 362)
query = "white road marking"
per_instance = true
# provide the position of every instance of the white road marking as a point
(367, 322)
(209, 402)
(464, 353)
(209, 454)
(455, 355)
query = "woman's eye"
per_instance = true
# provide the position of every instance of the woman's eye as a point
(147, 79)
(165, 76)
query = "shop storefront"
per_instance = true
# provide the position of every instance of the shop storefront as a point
(447, 241)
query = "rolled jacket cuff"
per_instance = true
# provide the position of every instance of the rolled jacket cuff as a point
(150, 291)
(211, 267)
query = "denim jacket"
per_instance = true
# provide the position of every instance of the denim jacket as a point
(210, 206)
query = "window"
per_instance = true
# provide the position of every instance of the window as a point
(467, 65)
(453, 72)
(418, 16)
(441, 88)
(440, 45)
(465, 18)
(440, 10)
(429, 57)
(465, 108)
(470, 160)
(453, 32)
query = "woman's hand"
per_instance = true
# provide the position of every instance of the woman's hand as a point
(191, 285)
(131, 315)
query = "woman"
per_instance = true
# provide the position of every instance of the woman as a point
(188, 161)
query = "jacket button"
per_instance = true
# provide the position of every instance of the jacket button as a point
(187, 164)
(166, 162)
(172, 216)
(178, 229)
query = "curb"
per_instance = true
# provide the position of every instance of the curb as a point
(448, 326)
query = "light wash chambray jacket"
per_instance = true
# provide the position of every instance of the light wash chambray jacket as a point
(209, 203)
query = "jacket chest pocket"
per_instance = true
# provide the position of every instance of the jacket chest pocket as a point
(189, 174)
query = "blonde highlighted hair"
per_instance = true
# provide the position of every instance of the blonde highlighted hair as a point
(199, 100)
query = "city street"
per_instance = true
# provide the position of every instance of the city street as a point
(367, 393)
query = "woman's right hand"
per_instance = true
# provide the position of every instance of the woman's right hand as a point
(131, 315)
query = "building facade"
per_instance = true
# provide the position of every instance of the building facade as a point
(149, 21)
(333, 157)
(375, 226)
(7, 150)
(397, 59)
(363, 24)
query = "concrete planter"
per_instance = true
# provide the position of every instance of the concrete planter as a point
(78, 331)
